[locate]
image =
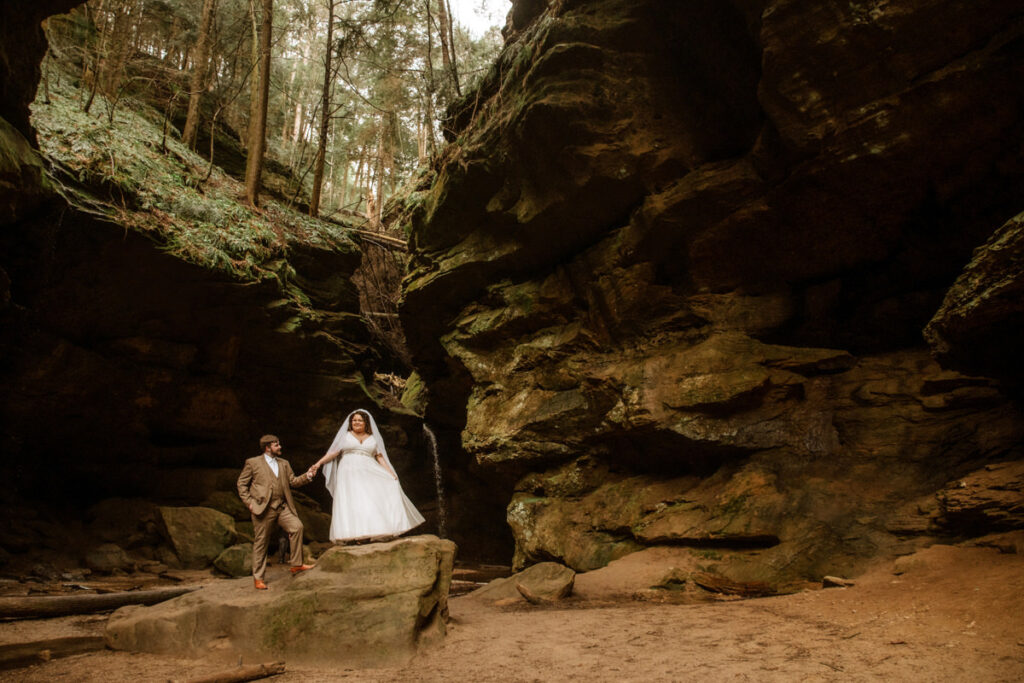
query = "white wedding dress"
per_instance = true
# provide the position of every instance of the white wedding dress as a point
(368, 500)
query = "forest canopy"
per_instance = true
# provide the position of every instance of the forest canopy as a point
(349, 107)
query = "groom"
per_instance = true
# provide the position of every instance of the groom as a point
(265, 487)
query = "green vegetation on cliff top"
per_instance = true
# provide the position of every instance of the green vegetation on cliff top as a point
(125, 169)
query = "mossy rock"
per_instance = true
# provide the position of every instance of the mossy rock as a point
(415, 395)
(367, 605)
(199, 535)
(229, 503)
(236, 560)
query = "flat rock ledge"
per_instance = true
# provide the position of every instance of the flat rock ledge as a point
(361, 605)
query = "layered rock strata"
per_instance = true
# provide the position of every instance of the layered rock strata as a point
(670, 276)
(980, 326)
(130, 369)
(363, 605)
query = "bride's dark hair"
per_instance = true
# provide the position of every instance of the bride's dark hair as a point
(367, 425)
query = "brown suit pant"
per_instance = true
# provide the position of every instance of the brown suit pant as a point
(262, 528)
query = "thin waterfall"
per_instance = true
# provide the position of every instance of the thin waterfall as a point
(442, 513)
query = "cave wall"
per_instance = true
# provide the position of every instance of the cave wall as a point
(140, 362)
(670, 276)
(127, 371)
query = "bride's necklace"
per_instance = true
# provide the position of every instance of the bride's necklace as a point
(356, 436)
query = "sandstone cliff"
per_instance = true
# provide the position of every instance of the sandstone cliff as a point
(151, 330)
(670, 276)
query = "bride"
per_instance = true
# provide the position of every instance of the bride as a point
(368, 500)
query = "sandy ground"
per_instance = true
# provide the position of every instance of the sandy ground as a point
(953, 614)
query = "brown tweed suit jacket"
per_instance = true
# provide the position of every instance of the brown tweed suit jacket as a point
(257, 480)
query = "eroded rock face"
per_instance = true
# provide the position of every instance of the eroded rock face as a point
(22, 46)
(128, 371)
(671, 274)
(361, 605)
(980, 327)
(133, 373)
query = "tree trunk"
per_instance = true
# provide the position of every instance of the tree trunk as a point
(120, 48)
(91, 75)
(343, 188)
(258, 125)
(431, 86)
(19, 655)
(325, 116)
(242, 674)
(357, 183)
(444, 18)
(254, 65)
(451, 41)
(199, 68)
(378, 206)
(291, 94)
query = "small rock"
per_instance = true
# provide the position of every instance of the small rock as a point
(836, 582)
(546, 581)
(45, 572)
(76, 575)
(108, 559)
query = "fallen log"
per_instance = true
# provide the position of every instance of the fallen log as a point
(64, 605)
(19, 655)
(242, 673)
(719, 584)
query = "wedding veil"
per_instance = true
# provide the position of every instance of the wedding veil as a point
(331, 468)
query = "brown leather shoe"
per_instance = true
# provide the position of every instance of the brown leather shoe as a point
(260, 586)
(301, 568)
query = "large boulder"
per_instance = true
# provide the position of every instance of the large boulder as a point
(360, 605)
(129, 522)
(199, 535)
(108, 558)
(23, 182)
(991, 498)
(980, 326)
(229, 503)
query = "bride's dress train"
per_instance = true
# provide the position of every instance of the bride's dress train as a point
(368, 500)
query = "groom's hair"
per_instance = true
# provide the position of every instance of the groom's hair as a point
(266, 440)
(366, 420)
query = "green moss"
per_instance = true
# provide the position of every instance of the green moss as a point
(169, 193)
(284, 626)
(734, 506)
(708, 554)
(414, 397)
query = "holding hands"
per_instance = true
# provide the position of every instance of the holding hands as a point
(311, 472)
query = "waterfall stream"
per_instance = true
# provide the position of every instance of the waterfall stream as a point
(442, 513)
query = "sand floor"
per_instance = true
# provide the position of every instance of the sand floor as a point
(954, 614)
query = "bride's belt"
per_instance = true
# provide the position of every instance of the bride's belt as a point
(357, 451)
